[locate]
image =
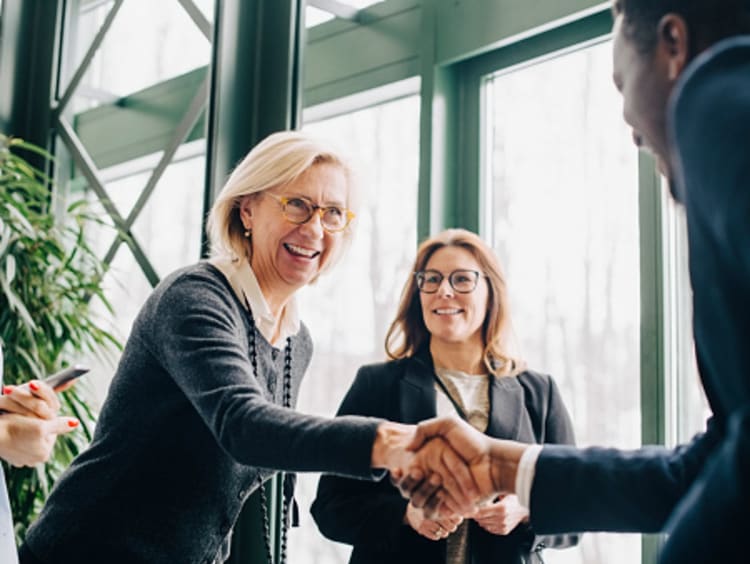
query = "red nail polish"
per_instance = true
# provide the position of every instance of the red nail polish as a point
(34, 386)
(72, 423)
(7, 390)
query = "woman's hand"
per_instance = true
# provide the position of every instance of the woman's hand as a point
(502, 515)
(34, 399)
(29, 424)
(433, 529)
(26, 440)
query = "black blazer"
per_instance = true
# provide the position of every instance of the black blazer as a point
(370, 515)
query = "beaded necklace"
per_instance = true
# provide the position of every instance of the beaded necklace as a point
(287, 402)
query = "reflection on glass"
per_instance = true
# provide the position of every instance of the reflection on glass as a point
(562, 208)
(349, 309)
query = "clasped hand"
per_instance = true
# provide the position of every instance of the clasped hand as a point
(453, 468)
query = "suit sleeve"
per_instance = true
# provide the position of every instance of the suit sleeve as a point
(358, 512)
(600, 489)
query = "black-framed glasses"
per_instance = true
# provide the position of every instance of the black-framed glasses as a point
(299, 210)
(462, 281)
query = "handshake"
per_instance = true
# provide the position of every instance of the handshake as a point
(445, 466)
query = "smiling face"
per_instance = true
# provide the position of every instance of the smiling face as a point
(449, 316)
(645, 80)
(286, 256)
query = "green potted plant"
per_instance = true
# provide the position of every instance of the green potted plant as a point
(48, 276)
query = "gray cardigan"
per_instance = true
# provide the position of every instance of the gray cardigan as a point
(187, 434)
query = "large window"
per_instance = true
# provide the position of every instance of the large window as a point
(350, 308)
(117, 57)
(562, 214)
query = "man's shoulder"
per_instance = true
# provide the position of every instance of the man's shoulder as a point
(714, 75)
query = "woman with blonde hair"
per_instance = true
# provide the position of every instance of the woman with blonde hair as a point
(449, 356)
(200, 411)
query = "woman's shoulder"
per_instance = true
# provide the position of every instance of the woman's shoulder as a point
(386, 368)
(198, 280)
(191, 290)
(537, 383)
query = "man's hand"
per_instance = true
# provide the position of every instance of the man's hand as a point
(433, 529)
(436, 464)
(492, 464)
(28, 440)
(501, 516)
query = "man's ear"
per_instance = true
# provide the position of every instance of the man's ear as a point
(673, 43)
(246, 211)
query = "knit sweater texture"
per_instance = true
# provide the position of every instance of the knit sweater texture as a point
(187, 433)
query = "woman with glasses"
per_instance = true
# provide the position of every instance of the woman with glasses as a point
(449, 357)
(200, 411)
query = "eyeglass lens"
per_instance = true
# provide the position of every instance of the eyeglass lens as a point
(462, 281)
(332, 218)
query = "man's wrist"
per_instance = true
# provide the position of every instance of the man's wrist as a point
(505, 456)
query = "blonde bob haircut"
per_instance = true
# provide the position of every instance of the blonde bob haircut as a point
(408, 332)
(276, 161)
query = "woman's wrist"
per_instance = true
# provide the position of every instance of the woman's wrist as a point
(389, 447)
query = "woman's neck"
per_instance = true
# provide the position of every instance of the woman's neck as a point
(464, 357)
(275, 299)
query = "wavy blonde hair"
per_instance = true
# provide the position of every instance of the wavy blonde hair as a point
(277, 160)
(408, 332)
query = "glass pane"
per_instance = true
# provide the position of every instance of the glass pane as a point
(168, 229)
(148, 42)
(348, 311)
(563, 217)
(169, 226)
(687, 407)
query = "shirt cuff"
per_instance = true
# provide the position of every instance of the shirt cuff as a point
(525, 474)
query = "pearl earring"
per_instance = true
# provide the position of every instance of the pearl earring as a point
(248, 232)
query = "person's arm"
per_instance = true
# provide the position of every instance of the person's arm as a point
(195, 330)
(606, 489)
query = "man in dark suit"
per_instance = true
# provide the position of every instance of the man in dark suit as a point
(683, 68)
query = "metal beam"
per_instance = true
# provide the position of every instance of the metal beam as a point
(87, 58)
(338, 9)
(89, 171)
(198, 18)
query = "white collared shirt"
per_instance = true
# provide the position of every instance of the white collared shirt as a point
(241, 277)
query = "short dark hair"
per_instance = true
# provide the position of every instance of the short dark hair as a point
(708, 21)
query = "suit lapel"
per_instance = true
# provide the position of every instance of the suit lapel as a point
(506, 408)
(417, 392)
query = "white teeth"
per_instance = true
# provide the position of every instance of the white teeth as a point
(309, 253)
(447, 311)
